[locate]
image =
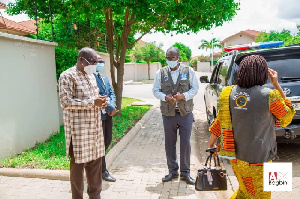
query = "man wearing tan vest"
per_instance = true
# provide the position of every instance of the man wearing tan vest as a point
(176, 85)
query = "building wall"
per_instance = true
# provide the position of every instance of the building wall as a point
(29, 99)
(239, 39)
(185, 63)
(204, 67)
(139, 71)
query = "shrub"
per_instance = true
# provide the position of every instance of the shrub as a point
(65, 58)
(193, 63)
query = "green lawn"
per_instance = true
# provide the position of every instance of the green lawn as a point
(52, 155)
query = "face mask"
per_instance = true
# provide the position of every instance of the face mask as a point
(100, 67)
(172, 64)
(90, 69)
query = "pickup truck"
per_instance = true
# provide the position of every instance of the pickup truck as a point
(284, 60)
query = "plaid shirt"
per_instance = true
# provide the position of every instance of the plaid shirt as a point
(82, 120)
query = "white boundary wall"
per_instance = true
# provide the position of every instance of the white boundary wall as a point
(29, 99)
(203, 66)
(139, 71)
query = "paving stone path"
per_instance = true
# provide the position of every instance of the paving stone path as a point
(138, 169)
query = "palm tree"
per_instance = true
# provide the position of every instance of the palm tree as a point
(209, 44)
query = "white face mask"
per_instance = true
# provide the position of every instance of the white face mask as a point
(172, 64)
(90, 69)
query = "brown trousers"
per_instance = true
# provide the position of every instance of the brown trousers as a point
(93, 175)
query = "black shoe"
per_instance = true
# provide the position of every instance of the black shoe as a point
(107, 177)
(169, 177)
(188, 179)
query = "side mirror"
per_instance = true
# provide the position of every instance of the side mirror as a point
(204, 79)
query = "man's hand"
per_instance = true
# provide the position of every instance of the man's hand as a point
(101, 101)
(178, 96)
(113, 112)
(170, 99)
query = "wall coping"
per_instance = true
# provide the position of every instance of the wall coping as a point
(141, 63)
(101, 53)
(26, 39)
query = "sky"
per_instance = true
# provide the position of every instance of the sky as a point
(260, 15)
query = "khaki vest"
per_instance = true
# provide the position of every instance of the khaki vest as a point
(253, 124)
(182, 85)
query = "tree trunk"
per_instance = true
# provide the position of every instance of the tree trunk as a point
(110, 39)
(117, 60)
(148, 70)
(117, 53)
(119, 89)
(50, 13)
(36, 21)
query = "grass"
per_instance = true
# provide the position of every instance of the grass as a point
(51, 154)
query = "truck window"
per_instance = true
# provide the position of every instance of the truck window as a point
(214, 74)
(286, 68)
(233, 74)
(222, 73)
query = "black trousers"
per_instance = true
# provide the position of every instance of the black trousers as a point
(107, 133)
(184, 124)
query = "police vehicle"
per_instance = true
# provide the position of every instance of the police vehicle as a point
(284, 60)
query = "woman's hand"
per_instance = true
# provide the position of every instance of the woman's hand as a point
(274, 81)
(212, 151)
(273, 77)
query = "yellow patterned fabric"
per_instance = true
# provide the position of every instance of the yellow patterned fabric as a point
(224, 123)
(281, 108)
(250, 180)
(215, 128)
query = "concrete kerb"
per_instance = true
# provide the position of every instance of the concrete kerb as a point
(64, 175)
(36, 173)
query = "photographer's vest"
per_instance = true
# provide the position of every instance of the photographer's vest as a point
(182, 85)
(253, 124)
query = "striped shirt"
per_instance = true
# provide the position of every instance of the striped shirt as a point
(82, 120)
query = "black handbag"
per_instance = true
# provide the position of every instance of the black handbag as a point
(211, 179)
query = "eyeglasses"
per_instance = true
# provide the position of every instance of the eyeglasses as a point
(93, 61)
(101, 61)
(172, 58)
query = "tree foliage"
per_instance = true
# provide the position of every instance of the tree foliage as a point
(65, 58)
(123, 19)
(284, 35)
(185, 51)
(28, 7)
(149, 53)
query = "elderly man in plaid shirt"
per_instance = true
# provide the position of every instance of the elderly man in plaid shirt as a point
(81, 104)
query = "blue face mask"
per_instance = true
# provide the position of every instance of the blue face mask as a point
(100, 67)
